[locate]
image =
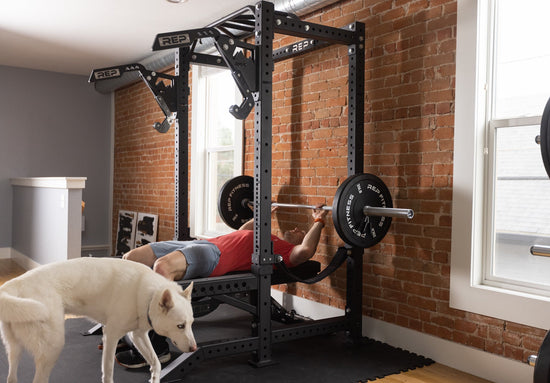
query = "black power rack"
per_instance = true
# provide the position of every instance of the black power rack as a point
(252, 68)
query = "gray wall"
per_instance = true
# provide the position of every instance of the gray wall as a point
(55, 125)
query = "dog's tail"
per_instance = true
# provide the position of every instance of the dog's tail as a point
(16, 309)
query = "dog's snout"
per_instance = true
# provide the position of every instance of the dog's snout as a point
(191, 348)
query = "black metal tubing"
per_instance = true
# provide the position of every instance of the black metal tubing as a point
(236, 302)
(263, 258)
(356, 107)
(186, 362)
(237, 15)
(298, 28)
(245, 27)
(225, 284)
(181, 160)
(309, 329)
(298, 49)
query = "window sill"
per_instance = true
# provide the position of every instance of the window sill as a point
(527, 309)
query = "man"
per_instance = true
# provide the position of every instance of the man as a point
(178, 260)
(230, 252)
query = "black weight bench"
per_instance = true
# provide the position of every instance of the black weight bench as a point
(237, 289)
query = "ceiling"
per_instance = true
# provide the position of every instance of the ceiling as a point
(76, 36)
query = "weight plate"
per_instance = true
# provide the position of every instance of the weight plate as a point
(353, 226)
(230, 201)
(542, 365)
(545, 137)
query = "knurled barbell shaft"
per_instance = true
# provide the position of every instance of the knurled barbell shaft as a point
(367, 210)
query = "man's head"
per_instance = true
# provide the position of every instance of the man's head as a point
(295, 236)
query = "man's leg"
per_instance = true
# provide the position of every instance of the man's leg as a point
(143, 254)
(172, 266)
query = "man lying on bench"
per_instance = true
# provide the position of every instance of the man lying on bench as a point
(217, 256)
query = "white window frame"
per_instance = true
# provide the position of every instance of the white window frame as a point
(467, 291)
(200, 177)
(490, 231)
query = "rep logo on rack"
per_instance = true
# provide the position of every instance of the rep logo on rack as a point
(167, 41)
(107, 73)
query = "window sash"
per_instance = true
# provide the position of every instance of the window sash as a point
(489, 247)
(204, 220)
(491, 278)
(467, 291)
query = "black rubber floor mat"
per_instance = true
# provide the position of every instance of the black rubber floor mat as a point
(327, 358)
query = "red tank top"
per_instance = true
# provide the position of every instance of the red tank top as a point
(236, 251)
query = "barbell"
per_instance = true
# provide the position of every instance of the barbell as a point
(362, 208)
(367, 210)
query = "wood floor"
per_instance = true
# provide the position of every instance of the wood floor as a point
(436, 373)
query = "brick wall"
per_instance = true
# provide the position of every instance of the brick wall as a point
(143, 160)
(409, 123)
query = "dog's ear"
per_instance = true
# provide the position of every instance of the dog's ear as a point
(187, 292)
(166, 302)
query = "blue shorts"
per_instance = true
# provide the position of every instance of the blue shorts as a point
(202, 256)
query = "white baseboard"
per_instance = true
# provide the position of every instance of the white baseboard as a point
(5, 252)
(27, 263)
(95, 247)
(488, 366)
(23, 261)
(306, 307)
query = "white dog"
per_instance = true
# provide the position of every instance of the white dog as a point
(125, 296)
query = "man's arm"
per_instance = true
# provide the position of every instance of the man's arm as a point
(308, 247)
(249, 225)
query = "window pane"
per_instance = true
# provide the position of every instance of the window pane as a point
(221, 95)
(522, 78)
(220, 165)
(522, 207)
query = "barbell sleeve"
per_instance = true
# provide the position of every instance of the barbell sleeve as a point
(543, 251)
(367, 210)
(388, 212)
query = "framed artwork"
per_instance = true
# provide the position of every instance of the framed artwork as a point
(125, 237)
(146, 230)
